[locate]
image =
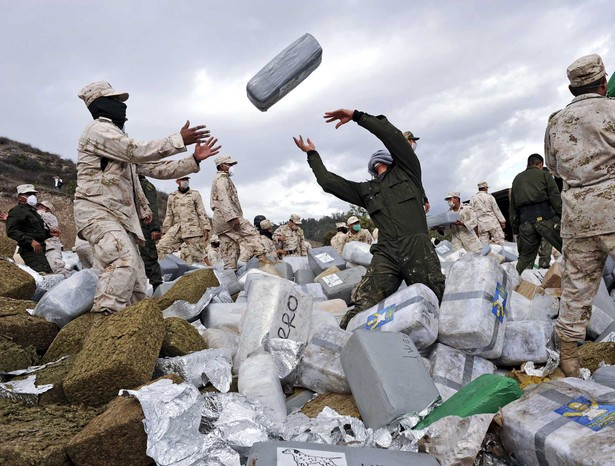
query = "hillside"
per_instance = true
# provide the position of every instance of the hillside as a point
(21, 163)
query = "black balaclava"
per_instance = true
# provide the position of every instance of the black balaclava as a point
(267, 233)
(109, 108)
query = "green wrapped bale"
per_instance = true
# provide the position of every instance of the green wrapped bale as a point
(24, 329)
(592, 354)
(7, 246)
(15, 283)
(70, 338)
(180, 338)
(120, 352)
(189, 287)
(486, 394)
(14, 357)
(53, 374)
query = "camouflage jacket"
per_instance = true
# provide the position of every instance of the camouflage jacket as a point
(224, 202)
(52, 223)
(338, 242)
(363, 236)
(293, 242)
(487, 212)
(107, 184)
(186, 214)
(464, 236)
(580, 149)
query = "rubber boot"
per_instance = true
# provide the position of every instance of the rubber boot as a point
(569, 362)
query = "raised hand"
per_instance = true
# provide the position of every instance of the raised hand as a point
(204, 151)
(304, 146)
(194, 134)
(342, 114)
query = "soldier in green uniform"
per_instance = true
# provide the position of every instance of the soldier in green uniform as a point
(26, 226)
(394, 201)
(535, 211)
(151, 233)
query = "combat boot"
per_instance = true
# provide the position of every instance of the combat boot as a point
(569, 362)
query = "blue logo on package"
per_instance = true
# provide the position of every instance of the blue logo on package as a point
(499, 302)
(588, 413)
(379, 318)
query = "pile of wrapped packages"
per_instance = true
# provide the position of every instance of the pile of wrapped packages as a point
(225, 368)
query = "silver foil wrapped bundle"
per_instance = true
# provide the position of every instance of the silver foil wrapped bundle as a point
(199, 368)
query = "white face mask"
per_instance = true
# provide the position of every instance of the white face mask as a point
(32, 200)
(184, 184)
(413, 145)
(451, 204)
(231, 170)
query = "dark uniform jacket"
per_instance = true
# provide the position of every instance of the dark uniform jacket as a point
(24, 224)
(152, 198)
(394, 200)
(533, 187)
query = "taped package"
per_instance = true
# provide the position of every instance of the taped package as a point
(452, 369)
(563, 422)
(412, 310)
(258, 381)
(320, 368)
(339, 285)
(357, 253)
(320, 259)
(525, 341)
(473, 309)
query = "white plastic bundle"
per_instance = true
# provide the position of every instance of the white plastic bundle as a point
(357, 253)
(69, 299)
(542, 307)
(473, 310)
(320, 368)
(276, 308)
(526, 341)
(452, 369)
(412, 310)
(321, 319)
(258, 382)
(221, 338)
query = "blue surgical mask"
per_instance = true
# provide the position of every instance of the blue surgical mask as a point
(356, 227)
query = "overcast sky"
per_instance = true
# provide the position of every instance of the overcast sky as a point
(476, 80)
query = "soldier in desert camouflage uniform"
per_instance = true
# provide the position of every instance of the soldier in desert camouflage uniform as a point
(580, 149)
(213, 250)
(356, 233)
(109, 200)
(266, 228)
(185, 222)
(53, 245)
(491, 222)
(339, 240)
(463, 231)
(228, 221)
(289, 237)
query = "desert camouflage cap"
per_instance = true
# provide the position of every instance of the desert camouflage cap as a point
(452, 194)
(352, 220)
(340, 225)
(586, 70)
(410, 136)
(295, 218)
(93, 91)
(49, 205)
(265, 224)
(26, 188)
(483, 184)
(221, 159)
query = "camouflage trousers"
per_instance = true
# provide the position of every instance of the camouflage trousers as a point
(493, 236)
(122, 280)
(584, 260)
(247, 236)
(84, 252)
(194, 250)
(530, 236)
(414, 262)
(54, 257)
(544, 254)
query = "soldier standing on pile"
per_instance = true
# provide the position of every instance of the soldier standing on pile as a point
(339, 240)
(535, 211)
(463, 231)
(289, 237)
(394, 201)
(356, 233)
(25, 225)
(580, 149)
(109, 201)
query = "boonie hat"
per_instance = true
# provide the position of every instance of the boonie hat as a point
(183, 178)
(26, 188)
(224, 159)
(352, 220)
(93, 91)
(453, 194)
(340, 225)
(585, 70)
(483, 184)
(265, 224)
(49, 205)
(295, 218)
(410, 136)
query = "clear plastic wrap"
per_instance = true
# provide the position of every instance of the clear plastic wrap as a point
(69, 299)
(526, 340)
(357, 253)
(259, 382)
(191, 312)
(222, 338)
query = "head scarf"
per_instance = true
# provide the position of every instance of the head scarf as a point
(380, 156)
